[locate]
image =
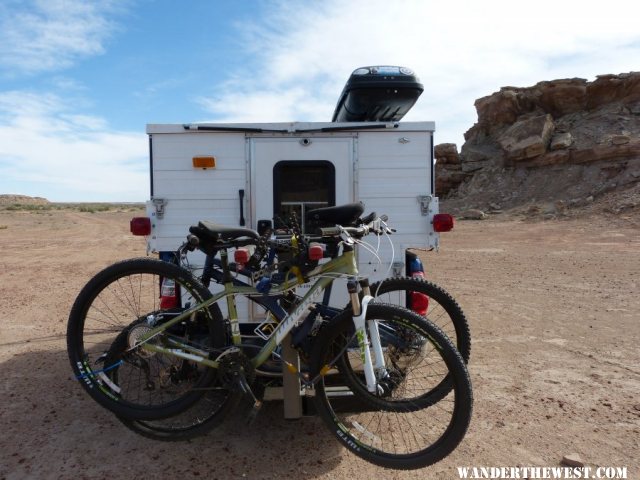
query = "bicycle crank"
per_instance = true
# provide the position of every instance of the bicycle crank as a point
(236, 372)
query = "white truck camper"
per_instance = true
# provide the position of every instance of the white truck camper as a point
(245, 174)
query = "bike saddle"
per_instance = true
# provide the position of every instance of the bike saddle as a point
(210, 231)
(344, 215)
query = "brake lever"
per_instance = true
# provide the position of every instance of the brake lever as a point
(346, 238)
(386, 228)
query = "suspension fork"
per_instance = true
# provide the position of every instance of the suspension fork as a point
(227, 280)
(374, 332)
(360, 323)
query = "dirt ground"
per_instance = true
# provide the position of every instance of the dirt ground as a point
(554, 308)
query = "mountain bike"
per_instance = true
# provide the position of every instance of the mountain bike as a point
(421, 296)
(148, 341)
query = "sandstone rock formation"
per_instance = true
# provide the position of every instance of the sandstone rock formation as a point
(561, 140)
(449, 173)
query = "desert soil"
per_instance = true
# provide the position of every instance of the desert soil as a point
(554, 311)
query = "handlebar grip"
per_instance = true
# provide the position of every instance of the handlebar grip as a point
(192, 242)
(368, 219)
(353, 230)
(357, 231)
(330, 231)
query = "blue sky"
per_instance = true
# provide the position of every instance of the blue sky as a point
(79, 80)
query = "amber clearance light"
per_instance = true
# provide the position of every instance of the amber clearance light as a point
(204, 162)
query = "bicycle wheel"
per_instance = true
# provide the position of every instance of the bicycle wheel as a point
(204, 415)
(400, 427)
(430, 301)
(114, 310)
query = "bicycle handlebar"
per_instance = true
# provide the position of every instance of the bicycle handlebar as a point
(377, 225)
(330, 231)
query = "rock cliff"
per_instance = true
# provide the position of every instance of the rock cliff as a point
(564, 142)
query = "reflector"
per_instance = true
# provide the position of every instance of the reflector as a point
(419, 303)
(316, 252)
(241, 255)
(168, 294)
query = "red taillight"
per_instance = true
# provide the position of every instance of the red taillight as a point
(241, 256)
(316, 252)
(169, 293)
(442, 222)
(140, 226)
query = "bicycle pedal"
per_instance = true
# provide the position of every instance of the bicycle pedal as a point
(252, 414)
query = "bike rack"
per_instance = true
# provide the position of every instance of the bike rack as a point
(290, 381)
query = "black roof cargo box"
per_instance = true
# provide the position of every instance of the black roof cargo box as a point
(382, 94)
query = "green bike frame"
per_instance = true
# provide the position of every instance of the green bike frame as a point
(344, 265)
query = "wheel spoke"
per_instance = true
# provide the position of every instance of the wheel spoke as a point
(109, 317)
(420, 415)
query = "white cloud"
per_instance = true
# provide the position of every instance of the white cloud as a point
(48, 150)
(285, 104)
(47, 35)
(462, 50)
(48, 146)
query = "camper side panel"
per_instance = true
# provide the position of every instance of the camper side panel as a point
(193, 194)
(393, 170)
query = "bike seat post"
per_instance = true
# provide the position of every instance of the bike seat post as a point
(352, 288)
(224, 263)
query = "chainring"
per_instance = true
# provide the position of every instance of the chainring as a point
(233, 364)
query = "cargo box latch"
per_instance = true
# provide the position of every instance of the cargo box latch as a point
(398, 269)
(424, 201)
(159, 204)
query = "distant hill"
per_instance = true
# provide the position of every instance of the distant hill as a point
(9, 199)
(11, 202)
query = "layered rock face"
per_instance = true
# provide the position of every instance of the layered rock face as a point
(557, 139)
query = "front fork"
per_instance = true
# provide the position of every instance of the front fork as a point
(372, 371)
